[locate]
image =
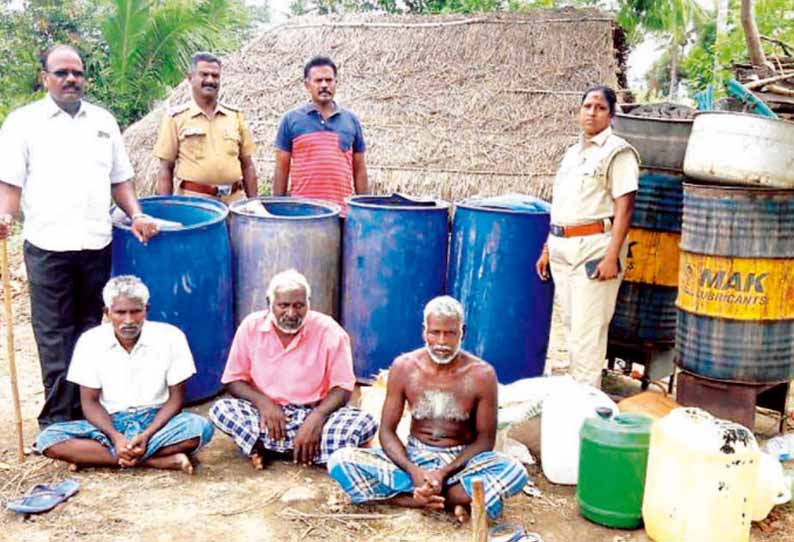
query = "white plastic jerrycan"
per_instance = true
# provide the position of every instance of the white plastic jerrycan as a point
(771, 488)
(562, 417)
(701, 479)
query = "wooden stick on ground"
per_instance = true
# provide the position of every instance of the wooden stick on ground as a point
(479, 517)
(12, 366)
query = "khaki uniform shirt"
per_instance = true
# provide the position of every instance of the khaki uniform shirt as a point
(591, 177)
(205, 151)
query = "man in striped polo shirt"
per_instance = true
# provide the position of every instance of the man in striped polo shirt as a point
(320, 145)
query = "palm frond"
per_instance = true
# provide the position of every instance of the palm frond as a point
(151, 43)
(123, 30)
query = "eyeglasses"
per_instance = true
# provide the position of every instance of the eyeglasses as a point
(63, 74)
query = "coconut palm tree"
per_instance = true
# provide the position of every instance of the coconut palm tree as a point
(673, 19)
(751, 35)
(150, 43)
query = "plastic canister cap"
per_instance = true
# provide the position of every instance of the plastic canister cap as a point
(604, 412)
(623, 430)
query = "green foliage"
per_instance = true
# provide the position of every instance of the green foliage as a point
(150, 44)
(674, 18)
(775, 19)
(259, 14)
(458, 6)
(697, 66)
(325, 7)
(134, 50)
(677, 21)
(302, 7)
(27, 33)
(529, 5)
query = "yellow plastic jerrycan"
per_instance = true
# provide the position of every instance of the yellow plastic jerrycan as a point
(701, 479)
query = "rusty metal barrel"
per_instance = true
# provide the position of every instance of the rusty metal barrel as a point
(661, 142)
(272, 234)
(741, 149)
(736, 284)
(645, 310)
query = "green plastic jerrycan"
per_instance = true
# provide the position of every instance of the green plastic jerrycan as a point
(613, 457)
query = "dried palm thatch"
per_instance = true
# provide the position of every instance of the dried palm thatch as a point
(452, 106)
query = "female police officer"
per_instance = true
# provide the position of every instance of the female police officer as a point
(590, 215)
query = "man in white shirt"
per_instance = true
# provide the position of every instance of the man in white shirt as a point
(63, 159)
(132, 375)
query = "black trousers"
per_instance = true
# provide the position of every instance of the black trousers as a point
(65, 300)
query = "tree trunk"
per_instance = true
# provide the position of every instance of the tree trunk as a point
(753, 40)
(721, 30)
(673, 71)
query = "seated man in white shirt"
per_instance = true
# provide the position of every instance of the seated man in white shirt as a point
(132, 374)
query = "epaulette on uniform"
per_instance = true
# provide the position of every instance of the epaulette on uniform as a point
(231, 107)
(177, 109)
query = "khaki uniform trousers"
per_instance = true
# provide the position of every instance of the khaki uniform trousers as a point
(587, 305)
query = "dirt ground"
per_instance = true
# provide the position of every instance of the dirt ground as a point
(227, 501)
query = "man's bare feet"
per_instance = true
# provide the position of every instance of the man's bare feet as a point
(257, 461)
(171, 462)
(462, 513)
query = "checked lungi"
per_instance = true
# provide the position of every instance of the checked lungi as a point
(346, 427)
(183, 426)
(369, 475)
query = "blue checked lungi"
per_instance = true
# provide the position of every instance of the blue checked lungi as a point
(184, 426)
(347, 427)
(369, 475)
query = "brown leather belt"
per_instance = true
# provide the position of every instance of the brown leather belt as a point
(579, 229)
(209, 189)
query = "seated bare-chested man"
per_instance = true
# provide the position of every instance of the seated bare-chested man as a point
(452, 398)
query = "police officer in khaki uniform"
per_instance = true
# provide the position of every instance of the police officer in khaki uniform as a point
(204, 147)
(591, 210)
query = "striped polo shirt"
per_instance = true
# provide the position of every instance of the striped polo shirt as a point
(322, 152)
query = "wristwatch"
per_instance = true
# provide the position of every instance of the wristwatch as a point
(136, 216)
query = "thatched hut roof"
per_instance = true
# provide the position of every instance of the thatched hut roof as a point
(451, 106)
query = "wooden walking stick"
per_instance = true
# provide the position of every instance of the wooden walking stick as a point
(12, 366)
(479, 517)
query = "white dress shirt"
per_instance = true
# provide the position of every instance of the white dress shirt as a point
(132, 380)
(65, 166)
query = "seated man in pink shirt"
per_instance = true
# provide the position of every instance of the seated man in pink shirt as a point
(290, 373)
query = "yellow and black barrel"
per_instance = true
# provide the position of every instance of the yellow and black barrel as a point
(645, 309)
(736, 284)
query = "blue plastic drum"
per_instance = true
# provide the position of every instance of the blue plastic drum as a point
(393, 263)
(495, 244)
(187, 268)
